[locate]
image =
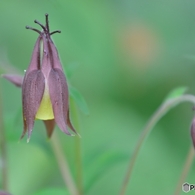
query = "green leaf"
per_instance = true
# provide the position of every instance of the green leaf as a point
(52, 191)
(177, 92)
(79, 99)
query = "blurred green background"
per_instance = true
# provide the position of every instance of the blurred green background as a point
(129, 55)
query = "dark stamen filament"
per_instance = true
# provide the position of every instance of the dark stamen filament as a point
(45, 28)
(37, 22)
(56, 31)
(28, 27)
(47, 22)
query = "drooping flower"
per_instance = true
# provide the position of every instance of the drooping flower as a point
(44, 86)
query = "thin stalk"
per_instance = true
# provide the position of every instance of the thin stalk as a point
(185, 171)
(3, 149)
(78, 152)
(63, 165)
(161, 111)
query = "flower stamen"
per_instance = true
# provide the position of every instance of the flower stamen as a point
(56, 31)
(38, 31)
(43, 27)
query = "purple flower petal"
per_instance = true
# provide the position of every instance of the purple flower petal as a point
(35, 59)
(15, 79)
(32, 93)
(58, 90)
(49, 124)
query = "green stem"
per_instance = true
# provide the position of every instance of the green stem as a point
(3, 149)
(161, 111)
(78, 153)
(63, 165)
(185, 171)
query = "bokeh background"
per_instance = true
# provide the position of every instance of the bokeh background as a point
(128, 56)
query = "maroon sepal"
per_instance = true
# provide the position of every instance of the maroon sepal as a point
(49, 125)
(32, 90)
(15, 79)
(32, 93)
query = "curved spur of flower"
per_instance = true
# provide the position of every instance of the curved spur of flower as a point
(193, 131)
(15, 79)
(44, 87)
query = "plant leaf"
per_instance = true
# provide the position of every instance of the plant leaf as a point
(179, 91)
(79, 99)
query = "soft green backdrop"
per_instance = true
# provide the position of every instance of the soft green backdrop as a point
(129, 55)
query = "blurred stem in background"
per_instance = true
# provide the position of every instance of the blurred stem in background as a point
(185, 171)
(161, 111)
(78, 158)
(63, 164)
(3, 159)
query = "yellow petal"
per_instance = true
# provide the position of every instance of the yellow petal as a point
(45, 111)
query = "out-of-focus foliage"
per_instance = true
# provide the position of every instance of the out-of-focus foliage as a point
(130, 55)
(177, 92)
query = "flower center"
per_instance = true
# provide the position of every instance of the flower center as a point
(45, 111)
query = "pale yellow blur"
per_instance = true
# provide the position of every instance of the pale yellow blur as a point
(45, 111)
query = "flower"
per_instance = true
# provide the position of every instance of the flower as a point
(44, 87)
